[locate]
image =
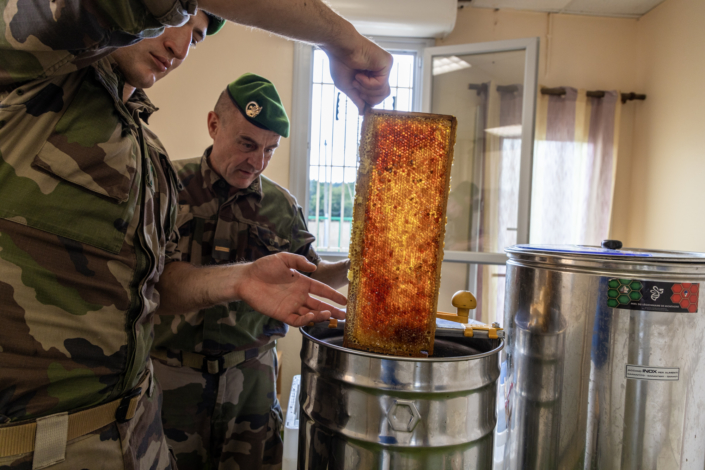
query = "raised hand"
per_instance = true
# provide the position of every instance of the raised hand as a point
(361, 72)
(359, 67)
(272, 286)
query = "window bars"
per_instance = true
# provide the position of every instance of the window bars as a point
(333, 153)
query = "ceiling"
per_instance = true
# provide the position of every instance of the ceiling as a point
(618, 8)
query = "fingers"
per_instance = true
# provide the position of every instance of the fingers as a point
(298, 321)
(372, 59)
(370, 89)
(366, 82)
(373, 100)
(371, 81)
(339, 314)
(311, 312)
(354, 96)
(297, 262)
(376, 92)
(322, 290)
(318, 315)
(305, 316)
(357, 101)
(316, 305)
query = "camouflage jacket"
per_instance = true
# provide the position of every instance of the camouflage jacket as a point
(217, 225)
(87, 203)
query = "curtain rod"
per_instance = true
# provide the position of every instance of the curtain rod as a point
(592, 94)
(482, 88)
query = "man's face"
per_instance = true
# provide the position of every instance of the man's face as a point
(241, 151)
(152, 59)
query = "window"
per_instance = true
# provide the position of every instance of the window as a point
(491, 89)
(332, 141)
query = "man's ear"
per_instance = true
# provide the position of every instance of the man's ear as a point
(213, 124)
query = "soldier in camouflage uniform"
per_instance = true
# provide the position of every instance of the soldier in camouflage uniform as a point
(88, 203)
(217, 366)
(87, 208)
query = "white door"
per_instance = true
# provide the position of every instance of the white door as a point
(491, 89)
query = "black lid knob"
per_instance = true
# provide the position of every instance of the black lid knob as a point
(611, 244)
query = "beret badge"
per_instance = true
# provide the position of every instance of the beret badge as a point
(258, 101)
(253, 109)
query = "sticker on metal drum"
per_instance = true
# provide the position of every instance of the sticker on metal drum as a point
(653, 296)
(666, 374)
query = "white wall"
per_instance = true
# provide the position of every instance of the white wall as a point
(668, 174)
(585, 52)
(578, 51)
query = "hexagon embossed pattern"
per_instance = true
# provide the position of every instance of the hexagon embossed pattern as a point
(403, 416)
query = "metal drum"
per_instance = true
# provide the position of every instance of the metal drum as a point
(605, 359)
(363, 410)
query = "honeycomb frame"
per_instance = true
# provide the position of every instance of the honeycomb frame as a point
(396, 246)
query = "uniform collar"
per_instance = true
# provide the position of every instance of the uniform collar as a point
(213, 181)
(140, 103)
(108, 73)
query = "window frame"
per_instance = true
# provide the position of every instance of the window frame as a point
(473, 259)
(301, 115)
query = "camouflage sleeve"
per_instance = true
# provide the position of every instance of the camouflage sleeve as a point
(312, 256)
(43, 38)
(177, 248)
(302, 239)
(173, 248)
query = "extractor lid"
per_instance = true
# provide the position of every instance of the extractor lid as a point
(602, 252)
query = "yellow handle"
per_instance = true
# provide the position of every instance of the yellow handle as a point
(452, 317)
(491, 330)
(464, 301)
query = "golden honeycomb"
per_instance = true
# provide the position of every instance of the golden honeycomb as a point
(399, 218)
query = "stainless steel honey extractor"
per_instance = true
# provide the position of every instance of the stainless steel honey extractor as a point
(605, 360)
(368, 411)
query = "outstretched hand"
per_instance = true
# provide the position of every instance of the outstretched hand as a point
(361, 73)
(272, 286)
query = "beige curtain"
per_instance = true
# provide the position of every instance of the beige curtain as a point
(575, 159)
(500, 193)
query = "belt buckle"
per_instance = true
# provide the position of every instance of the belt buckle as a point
(122, 409)
(214, 366)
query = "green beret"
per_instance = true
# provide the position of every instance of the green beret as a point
(215, 24)
(259, 101)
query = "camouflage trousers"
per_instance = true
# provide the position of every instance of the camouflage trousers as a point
(226, 421)
(137, 444)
